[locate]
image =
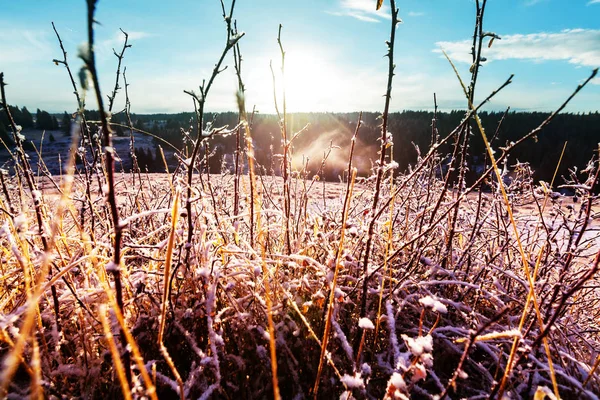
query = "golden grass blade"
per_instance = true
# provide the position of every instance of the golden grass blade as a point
(331, 302)
(171, 364)
(137, 356)
(167, 272)
(255, 207)
(530, 279)
(272, 339)
(388, 250)
(592, 371)
(114, 352)
(37, 392)
(167, 292)
(310, 329)
(12, 360)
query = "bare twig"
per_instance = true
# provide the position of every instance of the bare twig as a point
(115, 266)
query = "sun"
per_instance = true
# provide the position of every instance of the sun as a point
(311, 80)
(314, 80)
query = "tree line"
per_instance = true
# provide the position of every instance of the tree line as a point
(411, 131)
(23, 118)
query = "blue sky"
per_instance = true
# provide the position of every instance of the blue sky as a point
(334, 52)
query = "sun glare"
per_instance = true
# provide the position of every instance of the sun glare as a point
(312, 83)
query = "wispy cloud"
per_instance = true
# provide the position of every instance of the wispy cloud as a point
(363, 10)
(118, 37)
(593, 2)
(24, 45)
(529, 3)
(576, 46)
(358, 16)
(415, 14)
(117, 40)
(104, 47)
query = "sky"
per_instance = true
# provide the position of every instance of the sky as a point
(334, 53)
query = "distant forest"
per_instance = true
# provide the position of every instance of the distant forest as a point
(410, 130)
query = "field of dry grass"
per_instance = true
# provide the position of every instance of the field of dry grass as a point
(424, 306)
(403, 284)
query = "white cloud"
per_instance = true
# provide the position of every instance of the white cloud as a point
(118, 38)
(363, 10)
(415, 14)
(24, 45)
(593, 2)
(576, 46)
(105, 47)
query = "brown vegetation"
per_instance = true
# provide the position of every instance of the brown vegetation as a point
(191, 285)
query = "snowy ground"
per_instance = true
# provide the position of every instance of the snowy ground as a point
(55, 152)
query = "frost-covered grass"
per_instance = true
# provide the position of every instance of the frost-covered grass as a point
(192, 285)
(216, 321)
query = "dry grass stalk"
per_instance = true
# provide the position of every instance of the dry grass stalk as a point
(241, 310)
(114, 352)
